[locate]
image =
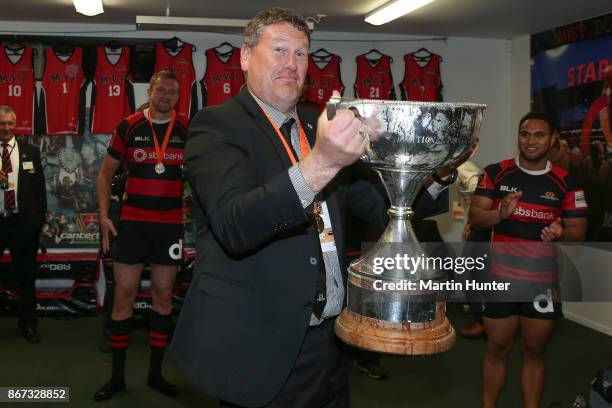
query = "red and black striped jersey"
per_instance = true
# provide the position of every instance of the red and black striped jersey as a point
(181, 64)
(17, 87)
(548, 194)
(374, 79)
(150, 197)
(323, 80)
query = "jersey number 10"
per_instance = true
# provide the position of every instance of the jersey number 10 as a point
(14, 90)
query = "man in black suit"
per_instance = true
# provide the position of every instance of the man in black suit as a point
(23, 204)
(256, 328)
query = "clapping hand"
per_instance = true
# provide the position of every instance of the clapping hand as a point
(552, 232)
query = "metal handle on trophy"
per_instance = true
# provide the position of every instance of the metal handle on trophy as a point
(331, 113)
(387, 308)
(331, 106)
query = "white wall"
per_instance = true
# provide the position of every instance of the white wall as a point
(520, 80)
(590, 276)
(508, 75)
(483, 74)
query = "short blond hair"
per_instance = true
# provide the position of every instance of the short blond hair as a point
(163, 74)
(7, 110)
(275, 15)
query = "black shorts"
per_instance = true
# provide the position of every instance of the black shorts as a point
(543, 309)
(148, 242)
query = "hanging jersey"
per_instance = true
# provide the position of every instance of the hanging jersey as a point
(374, 81)
(518, 250)
(421, 83)
(61, 98)
(17, 88)
(112, 96)
(150, 196)
(322, 81)
(182, 65)
(222, 80)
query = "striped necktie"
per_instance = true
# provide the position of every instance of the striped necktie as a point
(7, 167)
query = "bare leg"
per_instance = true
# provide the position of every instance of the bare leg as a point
(127, 282)
(535, 335)
(162, 283)
(500, 335)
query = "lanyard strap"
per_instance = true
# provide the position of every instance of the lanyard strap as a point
(160, 152)
(304, 147)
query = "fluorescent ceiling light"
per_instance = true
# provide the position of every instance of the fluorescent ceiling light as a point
(190, 24)
(394, 9)
(89, 7)
(225, 25)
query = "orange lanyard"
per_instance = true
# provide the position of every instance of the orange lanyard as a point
(161, 151)
(304, 147)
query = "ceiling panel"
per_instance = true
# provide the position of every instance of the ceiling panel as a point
(456, 18)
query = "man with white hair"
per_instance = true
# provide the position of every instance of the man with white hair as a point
(23, 204)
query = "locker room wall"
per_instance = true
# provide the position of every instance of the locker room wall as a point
(495, 147)
(473, 70)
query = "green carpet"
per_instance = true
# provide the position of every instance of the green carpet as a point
(68, 356)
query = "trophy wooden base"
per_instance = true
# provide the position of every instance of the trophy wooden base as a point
(432, 337)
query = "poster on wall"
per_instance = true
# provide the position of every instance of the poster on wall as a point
(571, 79)
(71, 165)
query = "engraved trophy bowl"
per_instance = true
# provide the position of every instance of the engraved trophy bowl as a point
(388, 309)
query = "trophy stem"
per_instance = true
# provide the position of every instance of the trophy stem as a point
(402, 188)
(392, 321)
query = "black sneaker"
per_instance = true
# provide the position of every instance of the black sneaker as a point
(112, 387)
(158, 383)
(30, 333)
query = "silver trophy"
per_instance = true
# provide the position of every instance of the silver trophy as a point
(388, 308)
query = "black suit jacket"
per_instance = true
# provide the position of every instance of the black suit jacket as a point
(249, 304)
(31, 191)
